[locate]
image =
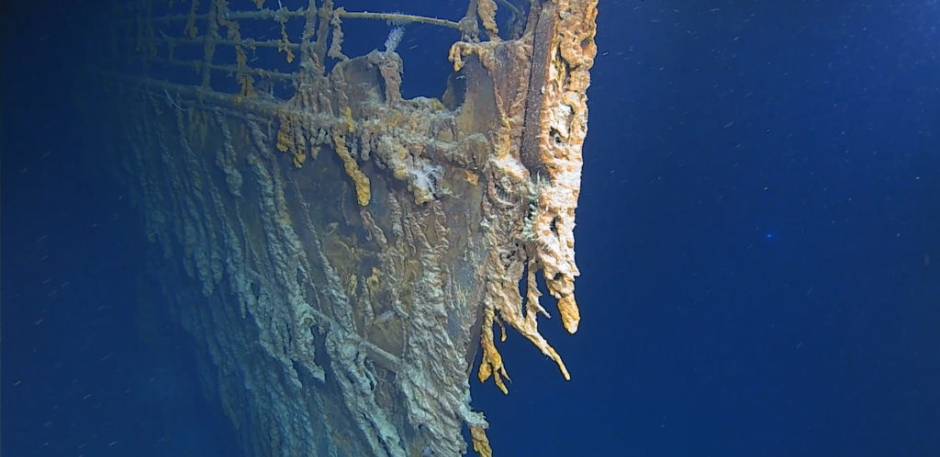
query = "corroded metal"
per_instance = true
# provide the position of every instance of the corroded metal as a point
(340, 253)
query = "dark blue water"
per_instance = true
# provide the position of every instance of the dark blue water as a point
(759, 238)
(88, 368)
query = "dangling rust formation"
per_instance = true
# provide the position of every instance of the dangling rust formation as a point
(338, 251)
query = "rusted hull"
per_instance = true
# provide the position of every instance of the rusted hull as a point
(341, 255)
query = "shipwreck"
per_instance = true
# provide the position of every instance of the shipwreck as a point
(342, 254)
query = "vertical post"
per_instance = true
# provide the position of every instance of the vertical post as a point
(208, 48)
(545, 20)
(323, 30)
(310, 29)
(469, 30)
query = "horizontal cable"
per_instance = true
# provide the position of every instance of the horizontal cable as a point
(266, 13)
(246, 42)
(284, 13)
(398, 18)
(227, 68)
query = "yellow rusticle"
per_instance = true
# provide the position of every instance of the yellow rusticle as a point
(360, 180)
(486, 9)
(291, 139)
(481, 443)
(492, 364)
(563, 127)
